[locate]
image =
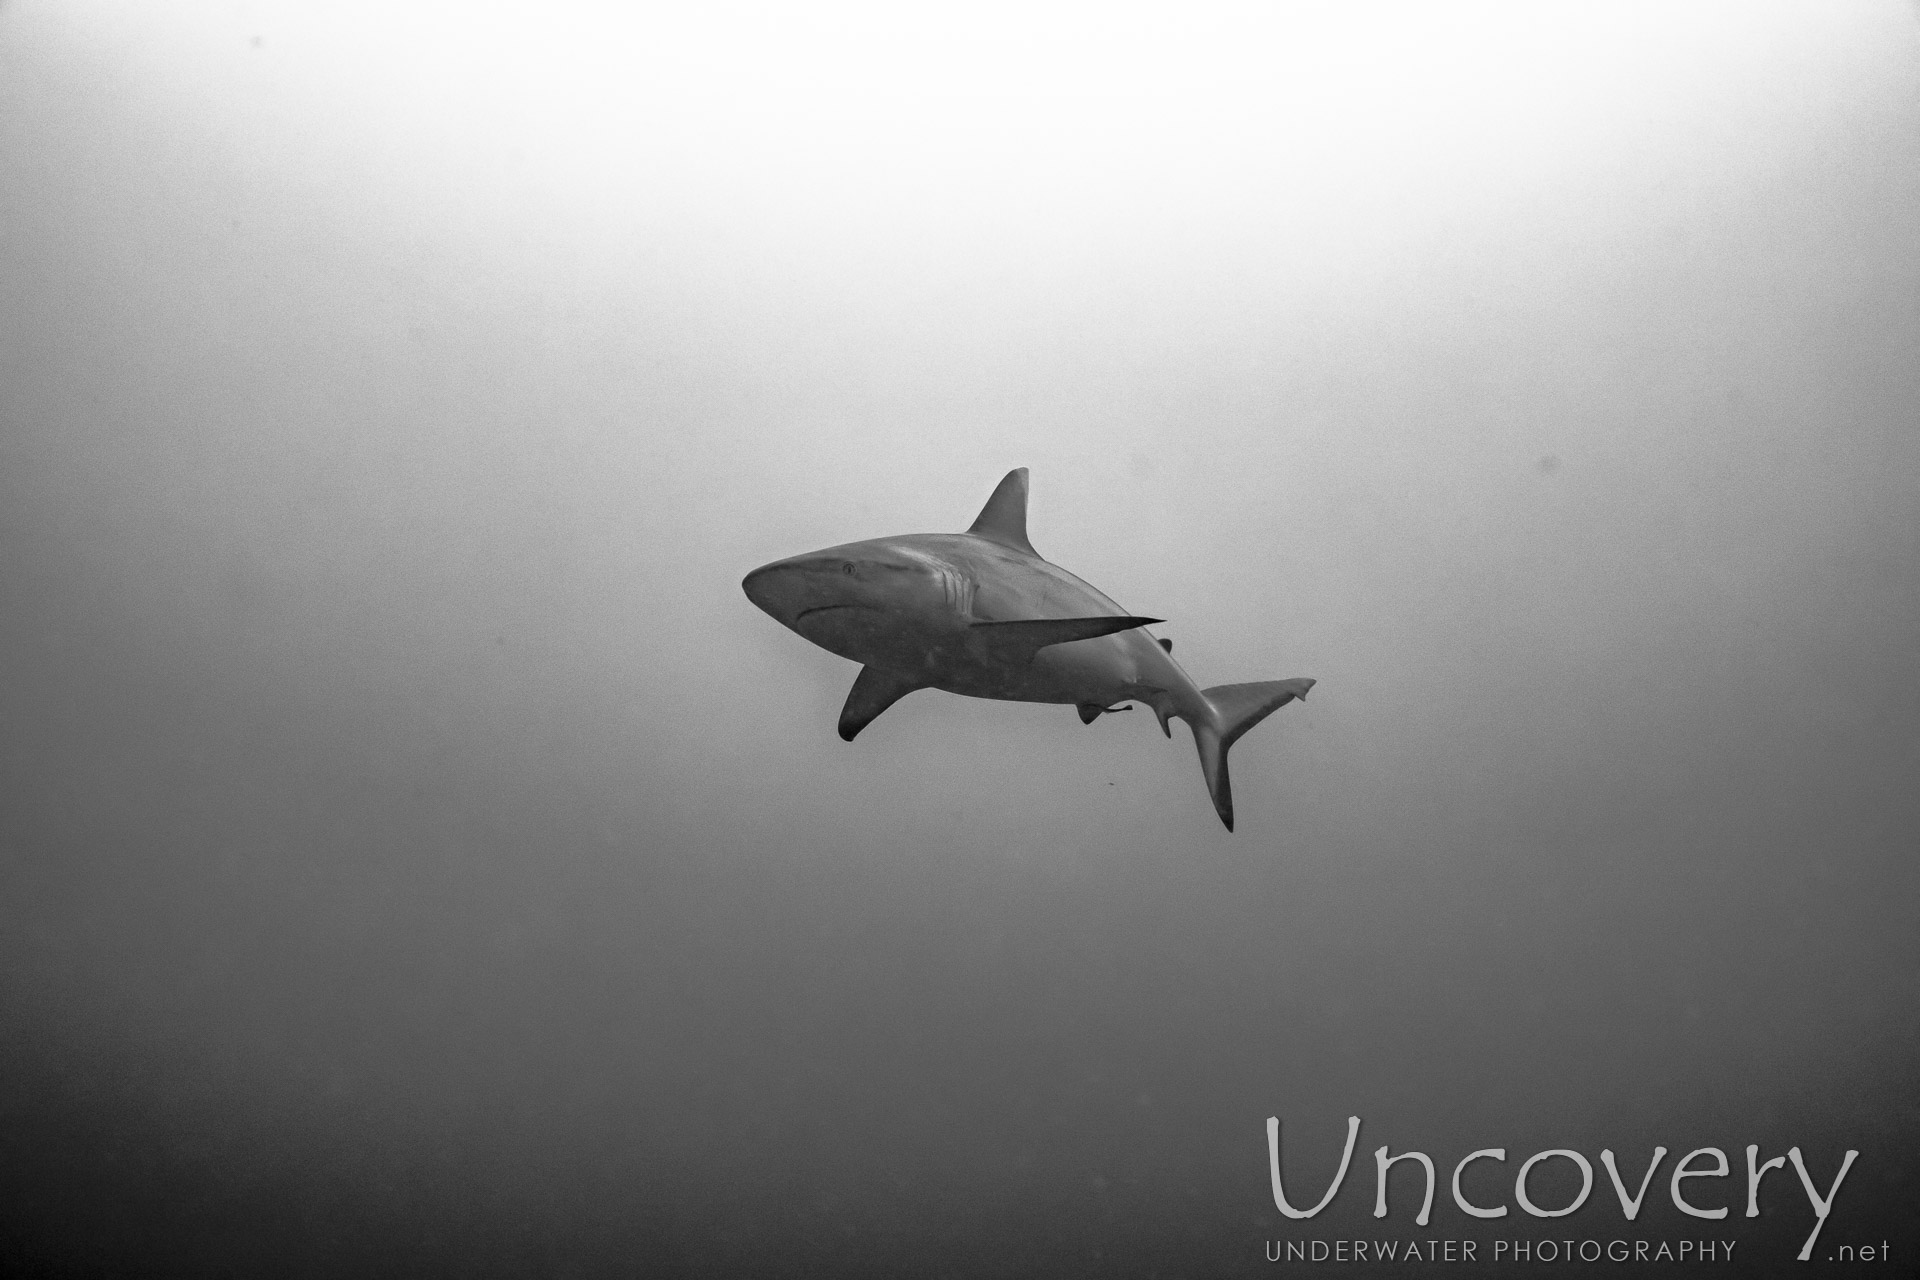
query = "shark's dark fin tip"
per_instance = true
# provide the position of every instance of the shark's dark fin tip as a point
(873, 691)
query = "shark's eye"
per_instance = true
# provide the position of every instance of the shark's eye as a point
(846, 566)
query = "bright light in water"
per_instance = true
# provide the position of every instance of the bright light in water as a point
(1052, 123)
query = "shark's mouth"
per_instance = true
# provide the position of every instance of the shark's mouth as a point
(828, 608)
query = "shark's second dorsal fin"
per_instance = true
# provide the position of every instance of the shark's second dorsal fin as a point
(1004, 518)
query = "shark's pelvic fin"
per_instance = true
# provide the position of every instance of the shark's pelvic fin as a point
(1166, 644)
(1236, 709)
(1004, 518)
(873, 691)
(1018, 641)
(1091, 711)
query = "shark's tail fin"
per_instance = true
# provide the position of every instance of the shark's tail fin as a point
(1236, 709)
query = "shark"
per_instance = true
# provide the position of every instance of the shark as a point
(981, 614)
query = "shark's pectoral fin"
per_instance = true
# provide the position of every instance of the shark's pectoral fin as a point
(1017, 642)
(873, 691)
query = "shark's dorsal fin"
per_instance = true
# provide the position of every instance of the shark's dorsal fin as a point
(873, 691)
(1004, 518)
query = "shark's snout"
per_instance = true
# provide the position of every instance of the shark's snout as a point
(776, 589)
(791, 589)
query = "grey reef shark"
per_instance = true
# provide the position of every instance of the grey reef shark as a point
(980, 613)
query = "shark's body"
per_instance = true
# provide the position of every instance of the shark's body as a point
(981, 614)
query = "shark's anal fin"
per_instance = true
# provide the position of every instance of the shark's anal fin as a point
(1004, 518)
(1166, 644)
(1162, 704)
(1016, 642)
(873, 691)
